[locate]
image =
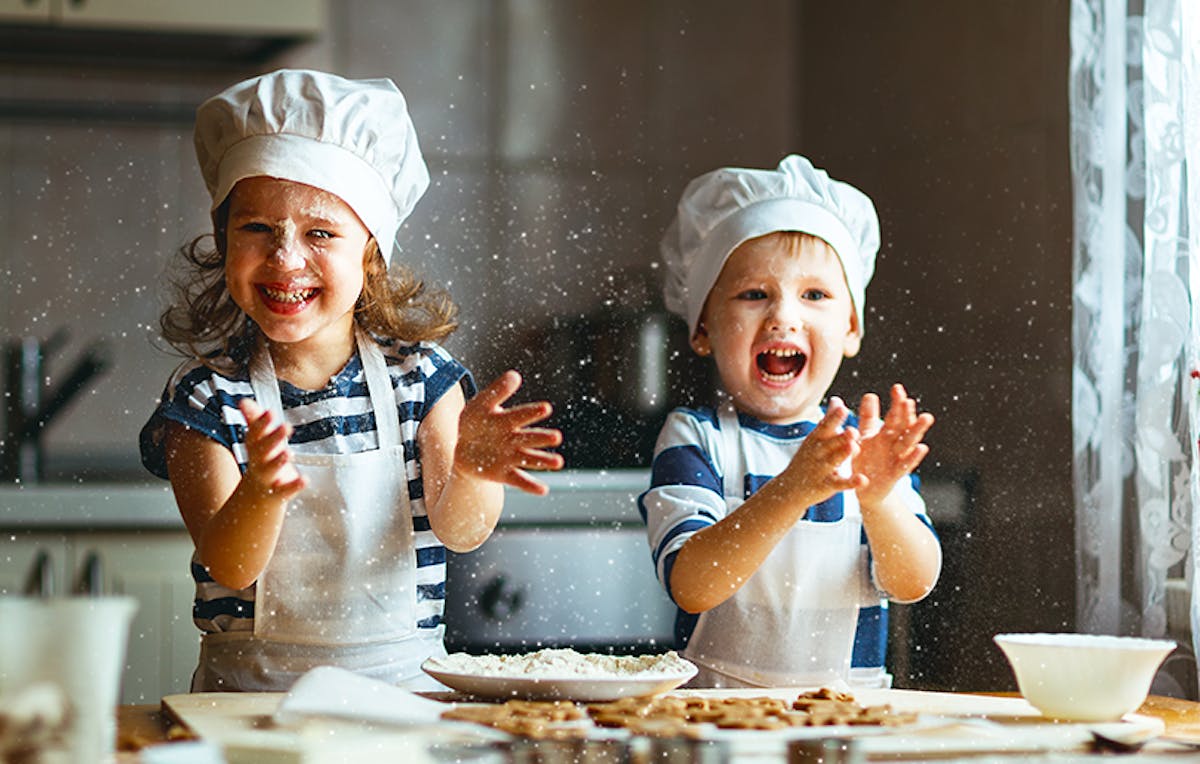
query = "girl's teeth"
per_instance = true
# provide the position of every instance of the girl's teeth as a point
(283, 296)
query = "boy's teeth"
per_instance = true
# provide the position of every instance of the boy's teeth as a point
(786, 362)
(778, 377)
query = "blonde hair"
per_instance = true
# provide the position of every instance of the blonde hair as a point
(204, 322)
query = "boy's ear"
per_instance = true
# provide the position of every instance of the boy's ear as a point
(853, 341)
(699, 341)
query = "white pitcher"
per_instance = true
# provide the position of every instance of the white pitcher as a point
(77, 644)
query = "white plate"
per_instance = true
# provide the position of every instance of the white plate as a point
(591, 688)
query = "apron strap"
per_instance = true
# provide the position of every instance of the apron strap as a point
(727, 419)
(379, 385)
(263, 380)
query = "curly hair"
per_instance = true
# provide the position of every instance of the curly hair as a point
(204, 322)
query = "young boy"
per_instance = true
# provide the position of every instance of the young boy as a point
(776, 525)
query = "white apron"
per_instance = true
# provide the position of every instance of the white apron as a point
(340, 588)
(792, 623)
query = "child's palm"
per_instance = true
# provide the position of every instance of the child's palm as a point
(269, 461)
(498, 444)
(891, 447)
(818, 460)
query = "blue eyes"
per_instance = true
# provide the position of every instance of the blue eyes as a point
(319, 233)
(808, 295)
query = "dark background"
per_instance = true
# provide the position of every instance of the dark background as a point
(559, 136)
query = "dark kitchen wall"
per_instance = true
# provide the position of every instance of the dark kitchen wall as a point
(559, 136)
(953, 116)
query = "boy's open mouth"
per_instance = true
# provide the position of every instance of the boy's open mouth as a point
(781, 364)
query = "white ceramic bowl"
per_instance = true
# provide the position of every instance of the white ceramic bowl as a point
(1084, 677)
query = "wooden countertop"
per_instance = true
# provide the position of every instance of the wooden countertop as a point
(142, 725)
(1181, 717)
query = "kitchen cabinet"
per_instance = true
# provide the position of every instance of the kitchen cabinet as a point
(277, 17)
(28, 11)
(20, 553)
(153, 568)
(135, 32)
(150, 566)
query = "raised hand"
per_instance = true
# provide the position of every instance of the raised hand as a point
(269, 467)
(891, 447)
(498, 444)
(817, 464)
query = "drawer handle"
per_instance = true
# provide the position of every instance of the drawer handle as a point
(91, 576)
(40, 582)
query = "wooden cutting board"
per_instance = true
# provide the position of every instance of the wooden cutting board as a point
(230, 717)
(243, 725)
(953, 724)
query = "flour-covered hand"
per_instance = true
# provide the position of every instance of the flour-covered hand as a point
(891, 447)
(817, 464)
(497, 443)
(269, 466)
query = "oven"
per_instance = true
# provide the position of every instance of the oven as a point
(570, 569)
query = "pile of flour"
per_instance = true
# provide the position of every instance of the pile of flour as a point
(563, 663)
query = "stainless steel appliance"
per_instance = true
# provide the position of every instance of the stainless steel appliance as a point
(571, 569)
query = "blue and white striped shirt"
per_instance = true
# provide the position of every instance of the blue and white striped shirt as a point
(686, 496)
(337, 419)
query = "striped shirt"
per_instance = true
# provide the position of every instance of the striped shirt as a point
(686, 496)
(337, 419)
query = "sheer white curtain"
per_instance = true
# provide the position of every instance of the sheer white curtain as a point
(1135, 153)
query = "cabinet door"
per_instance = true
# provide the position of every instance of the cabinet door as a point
(152, 567)
(20, 551)
(27, 11)
(279, 17)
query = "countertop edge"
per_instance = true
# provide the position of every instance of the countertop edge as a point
(576, 497)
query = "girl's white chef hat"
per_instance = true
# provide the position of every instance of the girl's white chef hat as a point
(352, 138)
(723, 208)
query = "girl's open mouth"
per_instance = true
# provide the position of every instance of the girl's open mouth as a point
(781, 364)
(286, 300)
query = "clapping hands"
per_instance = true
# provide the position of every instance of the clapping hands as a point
(881, 451)
(889, 448)
(498, 443)
(269, 466)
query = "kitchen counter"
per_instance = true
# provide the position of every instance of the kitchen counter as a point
(89, 506)
(144, 725)
(577, 497)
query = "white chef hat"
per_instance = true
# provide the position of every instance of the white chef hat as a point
(723, 208)
(352, 138)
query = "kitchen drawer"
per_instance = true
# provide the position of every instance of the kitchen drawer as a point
(22, 551)
(557, 586)
(154, 568)
(150, 566)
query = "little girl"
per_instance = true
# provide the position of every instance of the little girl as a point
(320, 443)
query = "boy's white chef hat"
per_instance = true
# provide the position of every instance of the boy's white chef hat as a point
(352, 138)
(723, 208)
